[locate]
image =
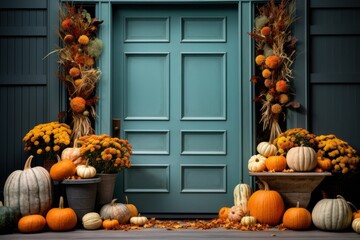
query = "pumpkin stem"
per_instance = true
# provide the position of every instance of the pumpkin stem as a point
(297, 204)
(58, 158)
(75, 143)
(28, 163)
(1, 204)
(113, 201)
(126, 200)
(61, 202)
(350, 203)
(266, 185)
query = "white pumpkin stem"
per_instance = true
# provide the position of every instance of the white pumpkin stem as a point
(113, 201)
(341, 197)
(28, 163)
(353, 205)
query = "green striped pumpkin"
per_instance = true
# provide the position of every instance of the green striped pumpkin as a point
(29, 191)
(242, 193)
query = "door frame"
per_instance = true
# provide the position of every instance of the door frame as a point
(246, 14)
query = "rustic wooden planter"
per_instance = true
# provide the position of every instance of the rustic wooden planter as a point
(293, 187)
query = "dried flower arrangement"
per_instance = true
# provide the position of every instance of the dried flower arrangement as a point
(275, 53)
(80, 75)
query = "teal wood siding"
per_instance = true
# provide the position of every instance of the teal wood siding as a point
(334, 82)
(26, 80)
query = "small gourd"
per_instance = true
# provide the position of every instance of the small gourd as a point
(301, 159)
(356, 225)
(31, 223)
(116, 211)
(248, 220)
(110, 224)
(332, 214)
(266, 149)
(62, 169)
(256, 163)
(138, 220)
(242, 193)
(92, 221)
(86, 171)
(235, 214)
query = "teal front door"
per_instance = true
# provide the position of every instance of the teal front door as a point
(176, 89)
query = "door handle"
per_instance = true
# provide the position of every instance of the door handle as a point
(116, 127)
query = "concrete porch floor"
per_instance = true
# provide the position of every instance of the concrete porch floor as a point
(185, 234)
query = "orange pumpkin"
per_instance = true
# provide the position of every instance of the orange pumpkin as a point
(297, 218)
(267, 206)
(224, 212)
(132, 208)
(109, 224)
(61, 219)
(324, 164)
(31, 223)
(62, 169)
(275, 163)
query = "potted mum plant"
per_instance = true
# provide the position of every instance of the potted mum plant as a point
(48, 140)
(109, 156)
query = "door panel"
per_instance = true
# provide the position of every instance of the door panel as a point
(176, 86)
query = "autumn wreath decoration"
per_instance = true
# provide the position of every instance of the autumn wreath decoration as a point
(77, 58)
(275, 53)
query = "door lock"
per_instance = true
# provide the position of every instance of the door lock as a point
(116, 127)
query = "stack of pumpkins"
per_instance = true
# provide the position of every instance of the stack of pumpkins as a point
(28, 200)
(266, 206)
(299, 159)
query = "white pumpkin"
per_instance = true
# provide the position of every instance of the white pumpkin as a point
(85, 171)
(257, 163)
(92, 221)
(138, 220)
(332, 214)
(242, 193)
(248, 220)
(73, 154)
(301, 159)
(266, 149)
(356, 225)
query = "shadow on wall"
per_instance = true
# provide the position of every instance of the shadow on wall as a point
(338, 184)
